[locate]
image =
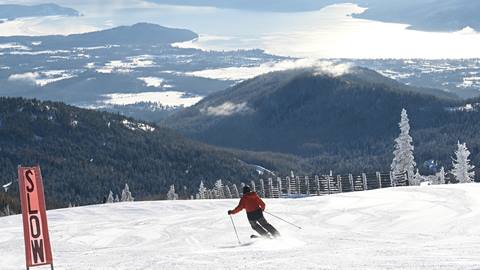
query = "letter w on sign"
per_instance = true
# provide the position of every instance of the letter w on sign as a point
(35, 228)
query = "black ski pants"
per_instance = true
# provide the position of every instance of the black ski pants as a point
(260, 224)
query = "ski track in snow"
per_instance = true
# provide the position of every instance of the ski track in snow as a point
(433, 227)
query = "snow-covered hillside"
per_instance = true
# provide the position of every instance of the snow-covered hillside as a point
(431, 227)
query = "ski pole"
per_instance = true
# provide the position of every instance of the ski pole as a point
(233, 223)
(282, 219)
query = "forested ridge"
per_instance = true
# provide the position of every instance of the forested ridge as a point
(84, 154)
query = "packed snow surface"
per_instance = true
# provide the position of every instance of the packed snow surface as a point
(430, 227)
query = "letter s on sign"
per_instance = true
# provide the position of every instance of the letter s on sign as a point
(28, 174)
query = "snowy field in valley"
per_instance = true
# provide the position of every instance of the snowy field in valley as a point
(430, 227)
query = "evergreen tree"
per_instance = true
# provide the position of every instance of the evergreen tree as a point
(416, 179)
(270, 188)
(171, 195)
(261, 191)
(184, 194)
(110, 197)
(440, 177)
(253, 187)
(228, 193)
(202, 191)
(116, 198)
(126, 194)
(235, 193)
(7, 211)
(462, 170)
(403, 160)
(219, 193)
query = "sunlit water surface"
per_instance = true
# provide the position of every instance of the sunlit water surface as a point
(327, 33)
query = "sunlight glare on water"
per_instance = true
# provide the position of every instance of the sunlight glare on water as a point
(327, 33)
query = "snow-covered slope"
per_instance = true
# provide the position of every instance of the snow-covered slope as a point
(432, 227)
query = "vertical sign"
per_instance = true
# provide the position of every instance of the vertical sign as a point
(35, 228)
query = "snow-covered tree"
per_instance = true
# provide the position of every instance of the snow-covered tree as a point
(171, 195)
(440, 177)
(116, 198)
(297, 184)
(7, 211)
(307, 184)
(110, 197)
(261, 190)
(416, 179)
(462, 170)
(126, 194)
(70, 205)
(270, 188)
(235, 193)
(202, 191)
(279, 186)
(252, 186)
(403, 160)
(288, 185)
(219, 190)
(228, 193)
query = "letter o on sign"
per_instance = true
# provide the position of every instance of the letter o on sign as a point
(35, 231)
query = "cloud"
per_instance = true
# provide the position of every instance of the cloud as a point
(29, 77)
(41, 78)
(226, 109)
(331, 68)
(152, 81)
(242, 73)
(131, 63)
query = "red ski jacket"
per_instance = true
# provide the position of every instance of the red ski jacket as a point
(250, 202)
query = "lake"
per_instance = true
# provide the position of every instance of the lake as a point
(327, 33)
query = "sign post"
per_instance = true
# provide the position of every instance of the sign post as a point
(35, 229)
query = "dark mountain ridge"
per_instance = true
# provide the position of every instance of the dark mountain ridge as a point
(137, 34)
(84, 154)
(345, 123)
(427, 15)
(11, 11)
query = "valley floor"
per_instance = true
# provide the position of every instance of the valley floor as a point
(432, 227)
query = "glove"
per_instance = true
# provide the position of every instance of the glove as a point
(229, 212)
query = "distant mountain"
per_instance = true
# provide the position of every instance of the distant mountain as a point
(84, 154)
(134, 70)
(345, 123)
(457, 76)
(137, 34)
(429, 15)
(11, 12)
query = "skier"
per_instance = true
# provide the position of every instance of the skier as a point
(254, 207)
